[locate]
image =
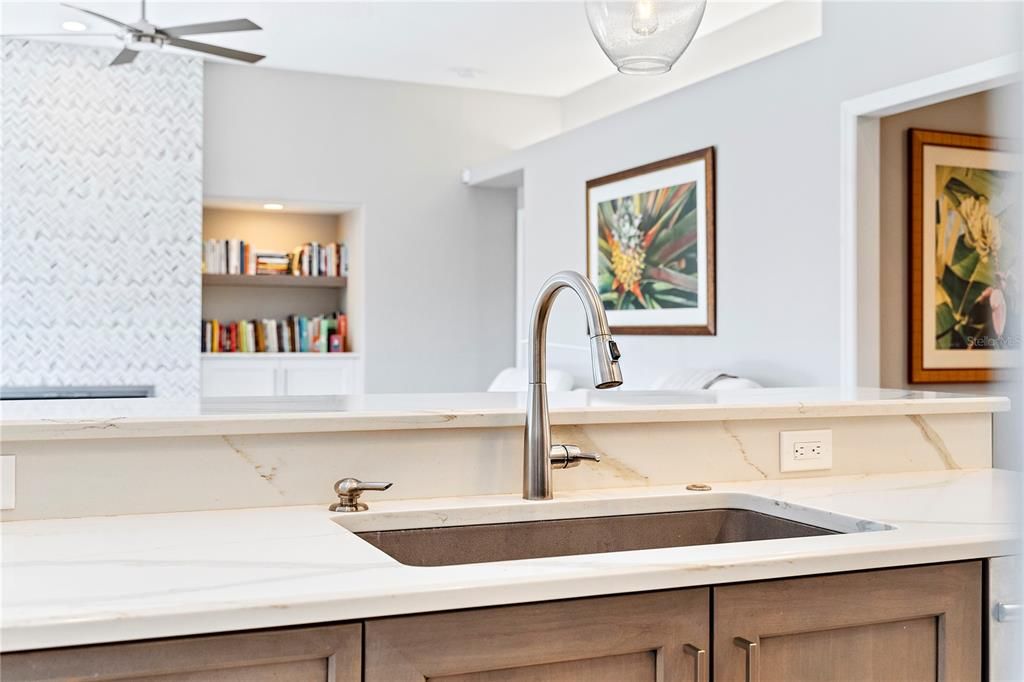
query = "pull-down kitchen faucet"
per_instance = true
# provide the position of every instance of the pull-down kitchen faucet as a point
(538, 454)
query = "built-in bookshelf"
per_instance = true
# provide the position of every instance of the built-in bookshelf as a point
(242, 357)
(294, 334)
(274, 281)
(270, 273)
(241, 257)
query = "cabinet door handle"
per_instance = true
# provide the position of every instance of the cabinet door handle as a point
(700, 662)
(753, 658)
(1007, 613)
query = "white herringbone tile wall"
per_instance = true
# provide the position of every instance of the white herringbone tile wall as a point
(101, 210)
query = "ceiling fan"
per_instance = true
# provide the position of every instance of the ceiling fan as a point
(142, 36)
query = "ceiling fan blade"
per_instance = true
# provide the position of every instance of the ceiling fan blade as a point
(211, 27)
(59, 35)
(125, 56)
(216, 50)
(104, 17)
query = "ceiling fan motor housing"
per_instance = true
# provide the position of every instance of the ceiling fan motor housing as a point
(146, 39)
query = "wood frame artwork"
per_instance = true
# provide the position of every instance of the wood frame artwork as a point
(651, 245)
(964, 277)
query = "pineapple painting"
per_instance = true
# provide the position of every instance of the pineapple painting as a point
(648, 250)
(650, 257)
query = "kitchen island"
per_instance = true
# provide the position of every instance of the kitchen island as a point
(216, 521)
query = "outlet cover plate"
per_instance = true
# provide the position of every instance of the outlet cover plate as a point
(805, 450)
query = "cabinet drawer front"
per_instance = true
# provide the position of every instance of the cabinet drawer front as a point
(317, 381)
(321, 654)
(627, 637)
(238, 378)
(318, 376)
(899, 624)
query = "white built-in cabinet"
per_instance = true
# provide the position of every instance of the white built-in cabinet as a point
(229, 298)
(280, 374)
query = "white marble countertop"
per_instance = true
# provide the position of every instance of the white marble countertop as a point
(152, 417)
(104, 579)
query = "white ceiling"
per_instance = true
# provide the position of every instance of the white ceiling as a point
(538, 48)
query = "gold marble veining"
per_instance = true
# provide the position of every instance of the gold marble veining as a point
(261, 471)
(935, 440)
(743, 451)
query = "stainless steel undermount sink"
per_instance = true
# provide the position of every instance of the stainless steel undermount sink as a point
(470, 544)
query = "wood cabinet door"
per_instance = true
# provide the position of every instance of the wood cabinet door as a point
(319, 654)
(653, 636)
(903, 624)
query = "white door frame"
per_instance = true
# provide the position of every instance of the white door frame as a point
(859, 229)
(521, 299)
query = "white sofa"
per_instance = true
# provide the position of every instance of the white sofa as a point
(515, 379)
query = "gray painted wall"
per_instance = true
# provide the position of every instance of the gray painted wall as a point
(440, 270)
(101, 218)
(775, 127)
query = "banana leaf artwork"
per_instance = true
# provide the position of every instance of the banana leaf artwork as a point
(965, 241)
(650, 237)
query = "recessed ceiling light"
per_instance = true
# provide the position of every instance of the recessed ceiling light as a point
(75, 26)
(273, 207)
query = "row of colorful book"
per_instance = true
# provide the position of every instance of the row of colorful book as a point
(238, 257)
(318, 260)
(295, 334)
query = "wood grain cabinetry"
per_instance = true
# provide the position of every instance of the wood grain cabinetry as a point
(650, 636)
(877, 626)
(330, 653)
(908, 624)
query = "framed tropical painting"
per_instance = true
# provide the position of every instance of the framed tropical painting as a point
(651, 245)
(965, 274)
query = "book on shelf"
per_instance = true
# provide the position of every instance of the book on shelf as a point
(238, 257)
(271, 263)
(319, 260)
(294, 334)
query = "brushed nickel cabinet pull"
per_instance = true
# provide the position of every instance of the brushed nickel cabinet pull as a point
(700, 662)
(753, 658)
(1007, 613)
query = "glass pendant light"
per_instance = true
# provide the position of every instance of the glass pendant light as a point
(644, 36)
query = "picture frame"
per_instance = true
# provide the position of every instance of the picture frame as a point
(651, 245)
(964, 275)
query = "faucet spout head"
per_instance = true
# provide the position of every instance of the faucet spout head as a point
(605, 355)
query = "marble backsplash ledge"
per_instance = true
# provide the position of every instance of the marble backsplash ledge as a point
(108, 476)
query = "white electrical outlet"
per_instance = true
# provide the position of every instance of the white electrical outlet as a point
(805, 450)
(6, 481)
(810, 449)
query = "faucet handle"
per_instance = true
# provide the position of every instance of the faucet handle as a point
(349, 490)
(567, 456)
